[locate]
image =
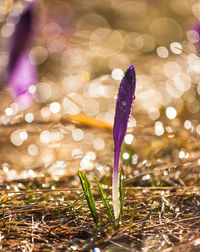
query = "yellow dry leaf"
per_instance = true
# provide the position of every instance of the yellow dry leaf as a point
(3, 198)
(87, 120)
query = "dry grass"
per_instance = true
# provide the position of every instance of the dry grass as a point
(166, 196)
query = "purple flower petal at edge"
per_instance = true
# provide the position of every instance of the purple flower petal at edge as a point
(21, 73)
(196, 35)
(21, 78)
(126, 95)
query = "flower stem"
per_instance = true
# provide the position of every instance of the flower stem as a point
(115, 185)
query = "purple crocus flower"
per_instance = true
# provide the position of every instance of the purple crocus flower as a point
(20, 72)
(126, 95)
(196, 38)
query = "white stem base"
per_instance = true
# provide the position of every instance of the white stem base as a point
(115, 196)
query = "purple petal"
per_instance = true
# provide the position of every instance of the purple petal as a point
(125, 99)
(21, 73)
(196, 28)
(22, 34)
(21, 78)
(126, 95)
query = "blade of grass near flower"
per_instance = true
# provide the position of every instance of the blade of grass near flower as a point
(105, 200)
(132, 217)
(75, 201)
(122, 185)
(88, 195)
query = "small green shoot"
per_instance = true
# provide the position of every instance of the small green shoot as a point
(105, 200)
(88, 195)
(75, 202)
(4, 216)
(4, 219)
(59, 215)
(122, 185)
(132, 218)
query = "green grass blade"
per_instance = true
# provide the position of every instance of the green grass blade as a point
(91, 198)
(122, 185)
(82, 181)
(88, 195)
(132, 217)
(75, 202)
(105, 200)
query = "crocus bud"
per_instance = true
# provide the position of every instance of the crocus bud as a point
(126, 95)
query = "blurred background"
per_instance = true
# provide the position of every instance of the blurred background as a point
(81, 49)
